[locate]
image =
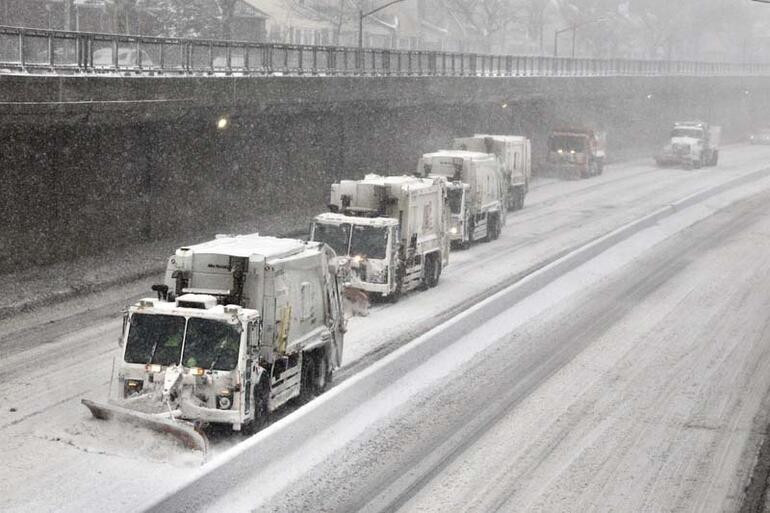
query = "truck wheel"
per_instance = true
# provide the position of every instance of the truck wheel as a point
(518, 198)
(491, 222)
(496, 228)
(307, 383)
(697, 164)
(600, 168)
(261, 409)
(432, 271)
(394, 296)
(323, 371)
(715, 158)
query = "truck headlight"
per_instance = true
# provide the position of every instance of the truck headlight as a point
(132, 387)
(453, 230)
(224, 400)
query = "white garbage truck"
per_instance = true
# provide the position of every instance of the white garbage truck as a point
(476, 191)
(391, 229)
(693, 144)
(515, 154)
(240, 326)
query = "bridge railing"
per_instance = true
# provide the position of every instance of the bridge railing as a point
(55, 51)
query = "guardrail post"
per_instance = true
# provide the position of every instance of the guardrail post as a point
(21, 48)
(115, 61)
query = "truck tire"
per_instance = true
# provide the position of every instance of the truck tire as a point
(497, 227)
(600, 167)
(715, 158)
(307, 380)
(518, 198)
(697, 164)
(394, 296)
(491, 222)
(323, 371)
(261, 401)
(432, 271)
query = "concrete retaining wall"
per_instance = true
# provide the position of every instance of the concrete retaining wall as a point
(82, 171)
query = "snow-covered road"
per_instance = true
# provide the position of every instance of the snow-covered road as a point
(636, 389)
(58, 459)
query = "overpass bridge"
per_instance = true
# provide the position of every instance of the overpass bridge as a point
(111, 139)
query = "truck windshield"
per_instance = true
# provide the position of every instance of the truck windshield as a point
(369, 241)
(337, 236)
(211, 344)
(154, 339)
(455, 198)
(567, 143)
(695, 133)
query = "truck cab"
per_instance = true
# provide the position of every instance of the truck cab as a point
(391, 231)
(370, 244)
(693, 144)
(575, 152)
(476, 192)
(242, 325)
(199, 357)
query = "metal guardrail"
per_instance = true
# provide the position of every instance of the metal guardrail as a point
(55, 51)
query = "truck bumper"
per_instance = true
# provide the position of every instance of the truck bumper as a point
(568, 171)
(377, 288)
(193, 412)
(673, 160)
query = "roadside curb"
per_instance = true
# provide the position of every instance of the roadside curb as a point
(289, 433)
(58, 296)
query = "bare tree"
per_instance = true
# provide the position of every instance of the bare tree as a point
(488, 17)
(226, 12)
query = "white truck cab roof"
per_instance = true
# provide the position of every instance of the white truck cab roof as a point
(333, 218)
(248, 245)
(460, 154)
(196, 305)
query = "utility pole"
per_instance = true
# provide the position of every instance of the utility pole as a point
(573, 28)
(362, 15)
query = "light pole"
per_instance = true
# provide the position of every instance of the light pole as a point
(573, 28)
(362, 15)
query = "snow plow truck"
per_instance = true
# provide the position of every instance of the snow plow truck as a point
(693, 144)
(240, 326)
(475, 191)
(576, 153)
(515, 154)
(392, 230)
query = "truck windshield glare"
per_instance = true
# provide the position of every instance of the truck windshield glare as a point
(336, 236)
(369, 241)
(211, 344)
(154, 339)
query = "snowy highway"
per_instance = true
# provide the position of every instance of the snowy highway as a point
(632, 384)
(637, 392)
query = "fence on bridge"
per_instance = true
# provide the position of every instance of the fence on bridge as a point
(55, 51)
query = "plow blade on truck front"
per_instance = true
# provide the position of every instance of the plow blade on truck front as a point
(185, 432)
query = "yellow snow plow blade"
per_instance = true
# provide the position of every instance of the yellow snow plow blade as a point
(185, 432)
